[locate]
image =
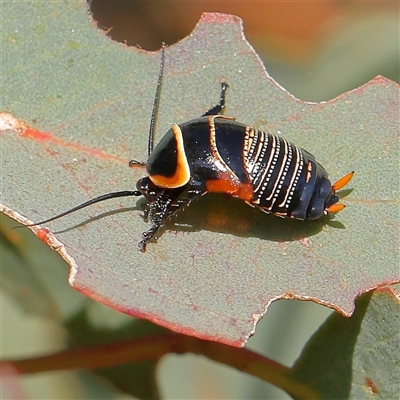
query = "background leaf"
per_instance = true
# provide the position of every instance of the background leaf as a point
(85, 329)
(87, 102)
(34, 277)
(357, 357)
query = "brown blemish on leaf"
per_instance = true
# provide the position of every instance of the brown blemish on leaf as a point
(370, 386)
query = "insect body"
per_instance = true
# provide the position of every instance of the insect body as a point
(214, 153)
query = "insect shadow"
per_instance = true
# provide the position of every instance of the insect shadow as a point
(98, 218)
(223, 214)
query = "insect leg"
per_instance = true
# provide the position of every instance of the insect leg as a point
(221, 105)
(168, 204)
(155, 212)
(136, 162)
(146, 237)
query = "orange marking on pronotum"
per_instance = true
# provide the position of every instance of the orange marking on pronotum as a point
(35, 134)
(343, 181)
(182, 173)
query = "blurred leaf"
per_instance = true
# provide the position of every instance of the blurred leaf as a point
(136, 379)
(10, 383)
(79, 107)
(354, 358)
(34, 276)
(347, 53)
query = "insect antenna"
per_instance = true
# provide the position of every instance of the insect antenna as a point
(156, 102)
(154, 111)
(124, 193)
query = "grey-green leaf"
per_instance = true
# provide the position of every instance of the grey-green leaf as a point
(80, 105)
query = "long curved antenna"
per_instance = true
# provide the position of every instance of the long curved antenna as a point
(124, 193)
(150, 144)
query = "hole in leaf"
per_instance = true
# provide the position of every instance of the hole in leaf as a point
(145, 24)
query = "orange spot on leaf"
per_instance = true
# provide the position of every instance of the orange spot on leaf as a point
(43, 235)
(35, 134)
(40, 136)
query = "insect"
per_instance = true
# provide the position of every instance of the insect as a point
(214, 153)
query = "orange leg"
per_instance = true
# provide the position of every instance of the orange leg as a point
(339, 184)
(343, 181)
(334, 208)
